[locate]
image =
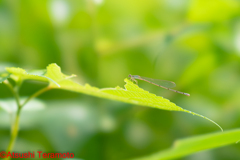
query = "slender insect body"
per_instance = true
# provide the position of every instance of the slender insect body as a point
(149, 80)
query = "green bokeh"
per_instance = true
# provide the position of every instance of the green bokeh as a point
(195, 43)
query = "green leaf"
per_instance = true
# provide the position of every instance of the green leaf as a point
(187, 146)
(20, 74)
(54, 73)
(130, 94)
(4, 76)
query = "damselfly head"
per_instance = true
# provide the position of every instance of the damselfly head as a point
(129, 75)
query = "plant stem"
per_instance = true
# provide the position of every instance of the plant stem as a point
(36, 94)
(15, 125)
(14, 132)
(14, 92)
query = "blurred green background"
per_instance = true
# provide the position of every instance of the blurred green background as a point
(195, 43)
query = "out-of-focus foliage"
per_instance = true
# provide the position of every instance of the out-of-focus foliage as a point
(195, 43)
(187, 146)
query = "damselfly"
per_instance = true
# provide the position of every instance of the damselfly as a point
(160, 83)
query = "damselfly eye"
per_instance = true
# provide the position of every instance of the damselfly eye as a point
(129, 75)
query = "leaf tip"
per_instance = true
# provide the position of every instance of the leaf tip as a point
(193, 113)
